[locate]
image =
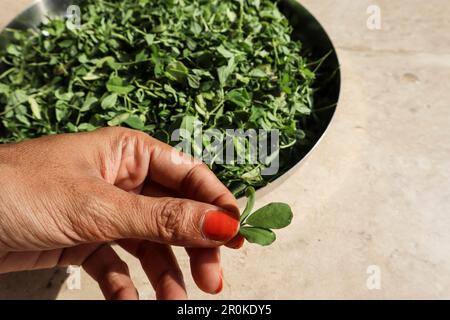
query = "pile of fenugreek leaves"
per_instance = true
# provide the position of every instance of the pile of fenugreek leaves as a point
(155, 65)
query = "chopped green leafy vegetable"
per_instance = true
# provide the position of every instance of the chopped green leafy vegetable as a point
(152, 64)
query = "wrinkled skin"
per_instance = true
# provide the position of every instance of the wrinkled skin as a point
(65, 198)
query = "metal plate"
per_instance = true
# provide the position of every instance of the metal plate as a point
(306, 29)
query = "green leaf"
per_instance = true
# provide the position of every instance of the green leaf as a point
(18, 97)
(86, 127)
(71, 127)
(200, 104)
(4, 88)
(259, 236)
(258, 73)
(117, 120)
(308, 74)
(35, 108)
(91, 77)
(13, 50)
(225, 52)
(83, 58)
(88, 103)
(135, 122)
(109, 60)
(109, 101)
(239, 97)
(196, 28)
(64, 96)
(302, 108)
(224, 72)
(116, 85)
(253, 176)
(256, 3)
(272, 216)
(61, 111)
(177, 70)
(149, 38)
(23, 119)
(141, 56)
(65, 44)
(188, 125)
(194, 81)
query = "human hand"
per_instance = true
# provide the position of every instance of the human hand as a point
(65, 198)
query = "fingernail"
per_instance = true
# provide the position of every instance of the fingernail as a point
(219, 226)
(220, 287)
(236, 243)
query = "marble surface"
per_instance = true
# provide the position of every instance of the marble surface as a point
(374, 193)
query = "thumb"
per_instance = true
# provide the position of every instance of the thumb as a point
(174, 221)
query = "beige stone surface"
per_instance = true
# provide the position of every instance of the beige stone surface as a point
(376, 190)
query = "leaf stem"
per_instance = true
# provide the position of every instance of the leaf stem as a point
(250, 193)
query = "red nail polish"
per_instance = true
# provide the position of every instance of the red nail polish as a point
(236, 243)
(219, 289)
(219, 226)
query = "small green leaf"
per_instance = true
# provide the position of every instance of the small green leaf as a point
(135, 122)
(224, 72)
(66, 96)
(260, 236)
(13, 50)
(239, 97)
(109, 60)
(149, 38)
(302, 108)
(23, 119)
(257, 73)
(252, 176)
(83, 58)
(65, 43)
(91, 77)
(4, 88)
(71, 127)
(86, 127)
(117, 120)
(188, 125)
(141, 56)
(272, 216)
(196, 28)
(88, 103)
(116, 85)
(224, 52)
(35, 108)
(61, 111)
(194, 81)
(18, 97)
(177, 70)
(109, 101)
